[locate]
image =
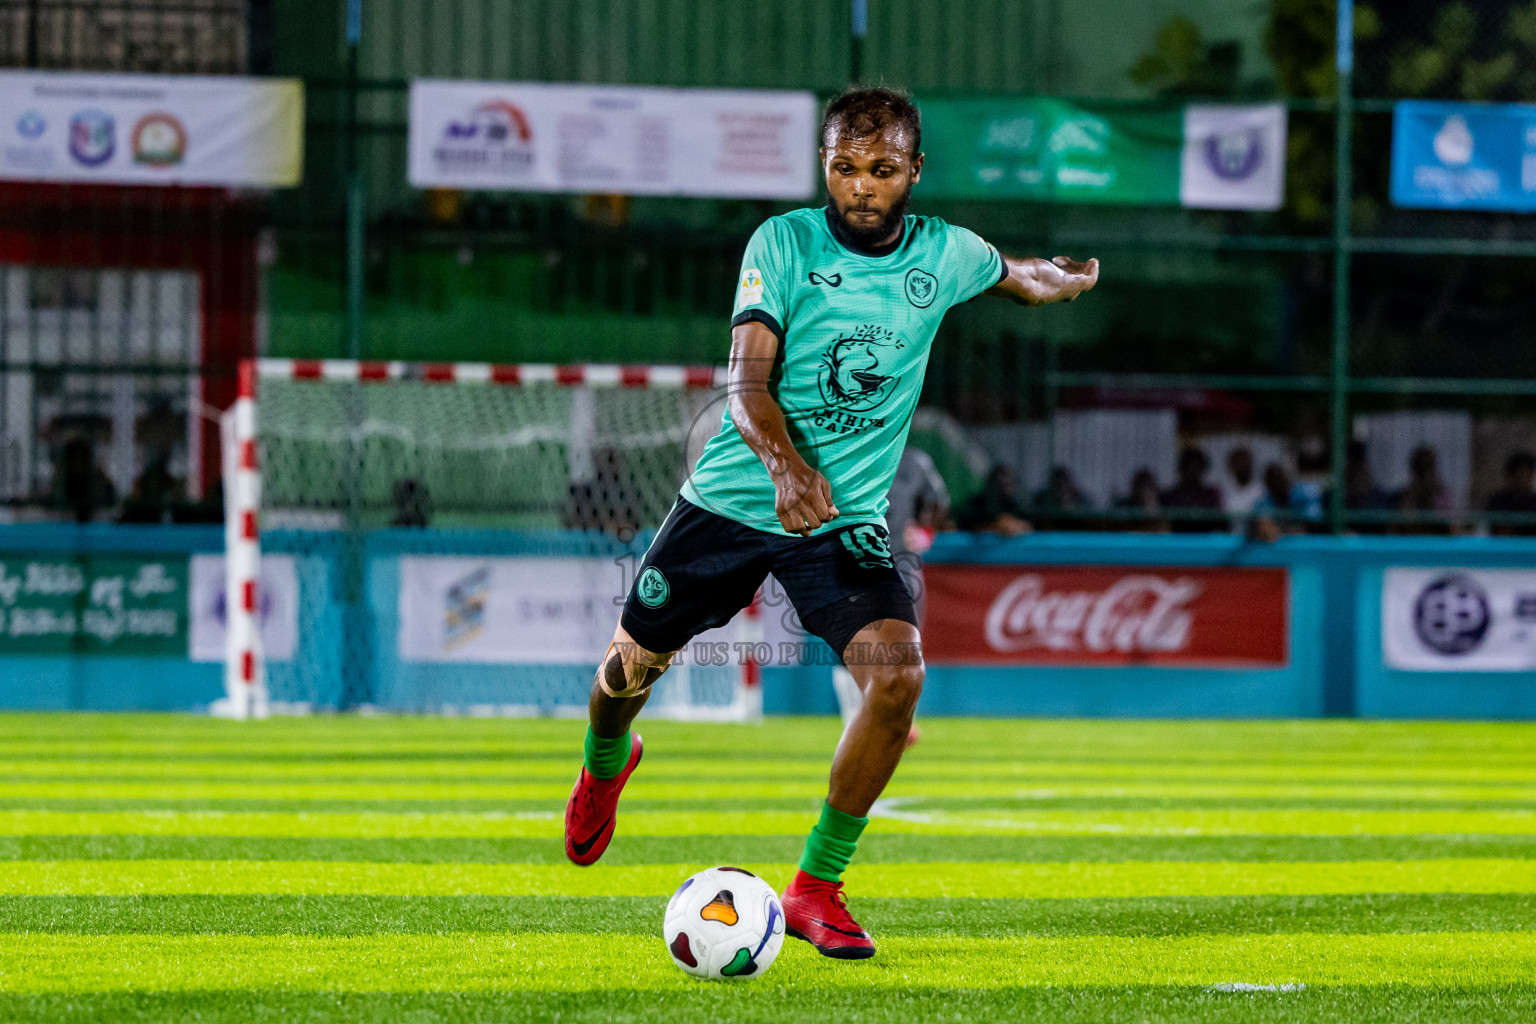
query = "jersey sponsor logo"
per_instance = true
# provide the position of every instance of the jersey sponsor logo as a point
(831, 280)
(653, 588)
(751, 290)
(922, 287)
(854, 379)
(851, 376)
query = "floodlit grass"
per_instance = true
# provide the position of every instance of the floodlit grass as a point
(348, 869)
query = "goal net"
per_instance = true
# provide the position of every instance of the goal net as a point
(457, 538)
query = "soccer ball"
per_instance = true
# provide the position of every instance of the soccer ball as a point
(724, 923)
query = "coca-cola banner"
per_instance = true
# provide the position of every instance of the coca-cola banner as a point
(1049, 615)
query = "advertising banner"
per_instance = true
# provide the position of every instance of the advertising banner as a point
(1459, 620)
(151, 129)
(277, 608)
(1464, 156)
(1047, 150)
(540, 137)
(1234, 157)
(517, 610)
(52, 604)
(1049, 615)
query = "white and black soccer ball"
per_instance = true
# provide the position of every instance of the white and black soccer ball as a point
(724, 923)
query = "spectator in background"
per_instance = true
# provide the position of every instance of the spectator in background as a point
(413, 503)
(1191, 493)
(157, 495)
(1058, 500)
(80, 486)
(609, 501)
(1241, 491)
(1424, 493)
(1360, 491)
(918, 507)
(1143, 498)
(1517, 495)
(996, 507)
(1286, 507)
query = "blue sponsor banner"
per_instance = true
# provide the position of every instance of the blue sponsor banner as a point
(1464, 156)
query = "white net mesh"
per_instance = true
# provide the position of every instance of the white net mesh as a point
(465, 547)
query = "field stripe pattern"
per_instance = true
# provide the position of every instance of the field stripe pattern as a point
(156, 867)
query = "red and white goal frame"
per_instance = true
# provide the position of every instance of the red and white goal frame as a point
(244, 671)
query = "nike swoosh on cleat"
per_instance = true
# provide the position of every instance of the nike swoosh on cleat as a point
(842, 931)
(581, 848)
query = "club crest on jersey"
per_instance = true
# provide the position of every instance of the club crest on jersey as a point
(921, 288)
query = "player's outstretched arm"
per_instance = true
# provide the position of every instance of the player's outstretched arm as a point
(1035, 282)
(803, 498)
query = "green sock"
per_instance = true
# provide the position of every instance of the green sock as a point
(606, 757)
(830, 846)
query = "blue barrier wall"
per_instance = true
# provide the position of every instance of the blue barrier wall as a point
(1335, 667)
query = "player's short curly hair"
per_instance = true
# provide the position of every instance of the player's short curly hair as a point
(861, 113)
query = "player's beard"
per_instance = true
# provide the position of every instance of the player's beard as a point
(880, 231)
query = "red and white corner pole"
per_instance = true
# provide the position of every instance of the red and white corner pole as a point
(245, 682)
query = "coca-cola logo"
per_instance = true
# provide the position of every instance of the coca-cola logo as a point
(1136, 614)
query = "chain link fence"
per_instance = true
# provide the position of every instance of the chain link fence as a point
(1323, 345)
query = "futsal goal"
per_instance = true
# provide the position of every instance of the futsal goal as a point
(457, 538)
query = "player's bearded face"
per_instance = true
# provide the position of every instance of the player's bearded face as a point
(869, 185)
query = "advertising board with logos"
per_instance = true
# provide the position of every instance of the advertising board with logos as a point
(543, 137)
(140, 129)
(1458, 619)
(1220, 618)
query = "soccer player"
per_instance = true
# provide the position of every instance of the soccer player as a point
(836, 309)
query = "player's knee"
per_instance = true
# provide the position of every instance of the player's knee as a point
(629, 670)
(893, 690)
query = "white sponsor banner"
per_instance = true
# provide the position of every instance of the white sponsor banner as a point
(1234, 157)
(540, 137)
(518, 610)
(150, 129)
(1459, 620)
(277, 607)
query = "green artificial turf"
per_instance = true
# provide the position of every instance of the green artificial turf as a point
(334, 869)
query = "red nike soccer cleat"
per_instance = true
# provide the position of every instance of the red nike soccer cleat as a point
(817, 911)
(592, 809)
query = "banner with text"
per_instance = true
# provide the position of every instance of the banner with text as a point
(516, 610)
(1464, 156)
(540, 137)
(113, 605)
(277, 600)
(1048, 615)
(1047, 150)
(1459, 620)
(151, 129)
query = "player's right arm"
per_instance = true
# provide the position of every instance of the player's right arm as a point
(802, 496)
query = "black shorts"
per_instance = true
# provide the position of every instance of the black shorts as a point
(702, 569)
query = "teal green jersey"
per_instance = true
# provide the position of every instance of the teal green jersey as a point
(854, 334)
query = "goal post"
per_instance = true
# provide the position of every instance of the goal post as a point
(457, 537)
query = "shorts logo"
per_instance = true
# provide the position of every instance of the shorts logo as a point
(653, 588)
(922, 287)
(869, 546)
(751, 290)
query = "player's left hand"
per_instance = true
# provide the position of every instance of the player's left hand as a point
(1077, 277)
